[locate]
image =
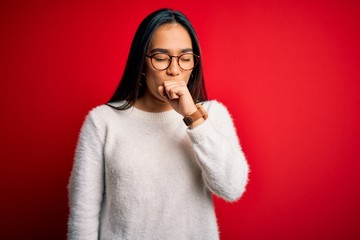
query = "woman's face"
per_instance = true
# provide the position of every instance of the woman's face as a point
(174, 40)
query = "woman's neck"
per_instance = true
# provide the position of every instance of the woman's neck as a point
(151, 104)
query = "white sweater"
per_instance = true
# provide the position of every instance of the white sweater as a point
(142, 175)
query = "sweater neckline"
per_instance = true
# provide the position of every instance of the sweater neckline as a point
(153, 116)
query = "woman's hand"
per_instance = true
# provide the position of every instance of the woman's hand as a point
(178, 96)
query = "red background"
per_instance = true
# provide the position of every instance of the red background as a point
(287, 70)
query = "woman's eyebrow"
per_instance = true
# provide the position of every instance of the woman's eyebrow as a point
(186, 50)
(163, 50)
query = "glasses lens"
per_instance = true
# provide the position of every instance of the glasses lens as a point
(160, 61)
(187, 61)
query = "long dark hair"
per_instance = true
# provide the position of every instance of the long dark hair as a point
(132, 85)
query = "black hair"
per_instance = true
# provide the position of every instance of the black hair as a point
(132, 85)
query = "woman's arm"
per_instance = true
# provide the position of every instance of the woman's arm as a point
(218, 152)
(86, 184)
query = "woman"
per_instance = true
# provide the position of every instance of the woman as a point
(147, 162)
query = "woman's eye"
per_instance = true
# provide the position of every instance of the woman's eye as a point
(161, 57)
(185, 59)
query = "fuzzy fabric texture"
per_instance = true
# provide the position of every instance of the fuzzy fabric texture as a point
(142, 175)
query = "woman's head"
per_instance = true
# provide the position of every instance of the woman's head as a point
(133, 83)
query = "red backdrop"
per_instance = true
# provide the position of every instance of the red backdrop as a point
(287, 70)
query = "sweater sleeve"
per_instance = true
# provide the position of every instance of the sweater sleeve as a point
(219, 154)
(86, 184)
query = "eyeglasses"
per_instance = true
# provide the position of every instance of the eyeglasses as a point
(162, 61)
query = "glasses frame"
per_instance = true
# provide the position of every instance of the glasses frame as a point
(196, 60)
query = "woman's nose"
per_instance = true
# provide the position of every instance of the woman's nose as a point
(174, 68)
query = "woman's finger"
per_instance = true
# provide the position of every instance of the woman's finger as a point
(161, 90)
(173, 93)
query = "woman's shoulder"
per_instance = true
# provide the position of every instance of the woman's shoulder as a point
(104, 112)
(107, 108)
(213, 106)
(217, 111)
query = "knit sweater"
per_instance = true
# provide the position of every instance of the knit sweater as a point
(144, 175)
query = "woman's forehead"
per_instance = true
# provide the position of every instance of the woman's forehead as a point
(171, 37)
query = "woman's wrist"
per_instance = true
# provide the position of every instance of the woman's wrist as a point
(196, 123)
(196, 117)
